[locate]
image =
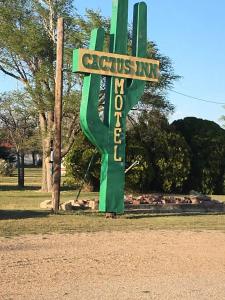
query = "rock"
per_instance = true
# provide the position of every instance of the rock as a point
(216, 201)
(66, 206)
(178, 200)
(128, 199)
(93, 204)
(136, 202)
(200, 196)
(82, 202)
(76, 205)
(194, 200)
(46, 204)
(204, 198)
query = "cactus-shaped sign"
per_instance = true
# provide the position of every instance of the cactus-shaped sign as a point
(125, 82)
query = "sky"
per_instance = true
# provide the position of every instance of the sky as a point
(192, 34)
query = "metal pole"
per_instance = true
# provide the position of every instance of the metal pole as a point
(131, 166)
(58, 116)
(85, 176)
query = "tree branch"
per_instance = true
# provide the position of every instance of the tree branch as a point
(70, 143)
(12, 75)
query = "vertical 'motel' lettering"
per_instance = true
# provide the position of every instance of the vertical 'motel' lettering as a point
(119, 92)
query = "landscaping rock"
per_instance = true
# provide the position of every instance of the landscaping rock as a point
(136, 202)
(46, 204)
(195, 200)
(201, 197)
(67, 206)
(93, 204)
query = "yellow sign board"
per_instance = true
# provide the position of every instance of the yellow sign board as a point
(117, 65)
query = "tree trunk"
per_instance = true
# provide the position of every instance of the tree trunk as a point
(33, 159)
(46, 185)
(46, 125)
(20, 168)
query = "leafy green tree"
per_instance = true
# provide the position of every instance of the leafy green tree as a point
(172, 163)
(27, 53)
(206, 141)
(164, 163)
(20, 126)
(77, 162)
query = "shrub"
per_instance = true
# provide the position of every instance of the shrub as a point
(6, 168)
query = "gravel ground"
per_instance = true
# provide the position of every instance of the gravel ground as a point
(116, 265)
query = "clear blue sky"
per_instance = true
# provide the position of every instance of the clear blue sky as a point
(192, 34)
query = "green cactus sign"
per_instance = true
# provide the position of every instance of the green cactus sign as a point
(125, 82)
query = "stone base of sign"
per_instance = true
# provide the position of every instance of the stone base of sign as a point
(175, 208)
(168, 208)
(152, 203)
(196, 198)
(158, 203)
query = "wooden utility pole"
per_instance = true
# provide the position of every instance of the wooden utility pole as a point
(58, 117)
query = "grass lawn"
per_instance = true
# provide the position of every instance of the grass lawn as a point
(20, 213)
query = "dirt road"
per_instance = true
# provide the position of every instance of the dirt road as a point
(117, 265)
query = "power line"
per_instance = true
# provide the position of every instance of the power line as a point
(196, 98)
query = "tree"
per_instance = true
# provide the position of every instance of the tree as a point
(206, 141)
(77, 162)
(20, 126)
(163, 154)
(27, 53)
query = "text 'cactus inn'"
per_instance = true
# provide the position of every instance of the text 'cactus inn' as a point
(125, 82)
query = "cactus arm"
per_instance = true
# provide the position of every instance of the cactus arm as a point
(118, 31)
(139, 48)
(90, 121)
(118, 44)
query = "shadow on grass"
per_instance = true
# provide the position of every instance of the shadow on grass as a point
(16, 188)
(22, 214)
(32, 188)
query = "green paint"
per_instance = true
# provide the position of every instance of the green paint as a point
(109, 136)
(75, 59)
